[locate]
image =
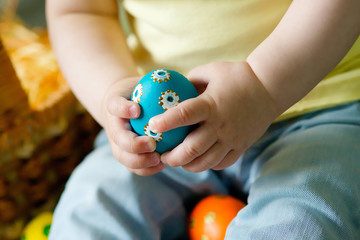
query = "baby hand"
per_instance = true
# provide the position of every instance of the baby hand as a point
(133, 151)
(232, 112)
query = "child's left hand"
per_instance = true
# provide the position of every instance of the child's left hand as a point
(232, 112)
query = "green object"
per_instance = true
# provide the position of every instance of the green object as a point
(47, 230)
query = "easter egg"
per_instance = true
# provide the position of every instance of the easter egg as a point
(211, 216)
(156, 92)
(38, 228)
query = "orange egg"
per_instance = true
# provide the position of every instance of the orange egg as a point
(212, 215)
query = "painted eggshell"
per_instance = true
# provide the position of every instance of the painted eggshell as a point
(156, 92)
(38, 228)
(211, 216)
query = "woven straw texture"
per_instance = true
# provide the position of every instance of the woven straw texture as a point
(40, 122)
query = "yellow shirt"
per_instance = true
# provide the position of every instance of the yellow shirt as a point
(182, 34)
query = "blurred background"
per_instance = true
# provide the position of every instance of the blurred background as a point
(40, 123)
(32, 12)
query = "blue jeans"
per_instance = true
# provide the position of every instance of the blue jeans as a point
(301, 181)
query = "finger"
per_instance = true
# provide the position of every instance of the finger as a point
(194, 145)
(229, 160)
(189, 112)
(149, 171)
(199, 76)
(200, 82)
(127, 140)
(202, 74)
(123, 108)
(208, 160)
(136, 161)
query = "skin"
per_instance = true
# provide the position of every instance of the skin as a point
(310, 40)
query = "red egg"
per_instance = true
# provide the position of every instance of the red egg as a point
(212, 215)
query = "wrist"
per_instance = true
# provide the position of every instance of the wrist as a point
(282, 96)
(274, 107)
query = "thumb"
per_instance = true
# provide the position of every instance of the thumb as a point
(123, 108)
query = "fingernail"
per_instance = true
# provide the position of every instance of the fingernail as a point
(151, 146)
(133, 111)
(163, 160)
(151, 123)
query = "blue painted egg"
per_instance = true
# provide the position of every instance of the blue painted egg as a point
(156, 92)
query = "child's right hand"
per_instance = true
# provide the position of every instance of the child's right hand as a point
(137, 153)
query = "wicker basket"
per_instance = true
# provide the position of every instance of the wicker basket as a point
(40, 122)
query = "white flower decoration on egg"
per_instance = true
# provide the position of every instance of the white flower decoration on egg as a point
(160, 75)
(169, 99)
(137, 93)
(157, 136)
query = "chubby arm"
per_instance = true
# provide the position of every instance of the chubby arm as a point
(310, 40)
(307, 44)
(91, 49)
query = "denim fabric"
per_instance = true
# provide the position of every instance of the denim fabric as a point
(301, 180)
